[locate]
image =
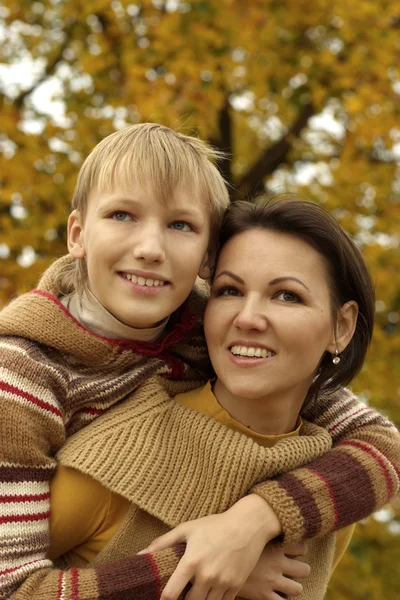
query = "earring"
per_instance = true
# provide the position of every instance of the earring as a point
(336, 358)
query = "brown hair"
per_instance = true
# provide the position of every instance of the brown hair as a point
(148, 153)
(349, 277)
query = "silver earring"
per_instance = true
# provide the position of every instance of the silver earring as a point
(336, 358)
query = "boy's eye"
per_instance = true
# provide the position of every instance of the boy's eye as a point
(121, 215)
(288, 297)
(181, 226)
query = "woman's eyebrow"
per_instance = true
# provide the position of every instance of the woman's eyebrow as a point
(230, 274)
(280, 279)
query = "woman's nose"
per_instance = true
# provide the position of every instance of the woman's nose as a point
(251, 316)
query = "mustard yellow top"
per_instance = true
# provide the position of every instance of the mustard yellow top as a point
(85, 515)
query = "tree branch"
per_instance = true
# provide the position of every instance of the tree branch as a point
(252, 182)
(224, 142)
(49, 69)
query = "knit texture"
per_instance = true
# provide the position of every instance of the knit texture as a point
(180, 464)
(358, 476)
(56, 377)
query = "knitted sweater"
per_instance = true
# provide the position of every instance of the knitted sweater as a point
(85, 515)
(181, 464)
(56, 377)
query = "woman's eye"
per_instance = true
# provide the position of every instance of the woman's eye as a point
(120, 215)
(227, 291)
(181, 226)
(289, 297)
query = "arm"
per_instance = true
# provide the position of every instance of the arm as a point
(358, 476)
(31, 431)
(309, 501)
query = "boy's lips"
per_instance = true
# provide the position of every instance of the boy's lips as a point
(144, 278)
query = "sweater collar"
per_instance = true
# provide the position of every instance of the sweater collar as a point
(94, 316)
(176, 463)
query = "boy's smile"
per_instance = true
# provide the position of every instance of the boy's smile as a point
(142, 256)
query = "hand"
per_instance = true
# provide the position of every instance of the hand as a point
(273, 572)
(221, 550)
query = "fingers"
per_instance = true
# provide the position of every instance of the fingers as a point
(209, 590)
(173, 537)
(178, 581)
(288, 587)
(296, 568)
(297, 549)
(200, 591)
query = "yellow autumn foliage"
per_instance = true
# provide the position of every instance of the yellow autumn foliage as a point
(252, 78)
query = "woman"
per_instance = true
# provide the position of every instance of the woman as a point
(290, 318)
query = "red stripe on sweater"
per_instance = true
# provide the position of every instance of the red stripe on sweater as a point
(74, 584)
(361, 410)
(331, 494)
(12, 569)
(7, 387)
(25, 498)
(187, 321)
(366, 448)
(156, 572)
(25, 518)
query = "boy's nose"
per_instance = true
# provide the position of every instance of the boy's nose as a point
(251, 317)
(150, 246)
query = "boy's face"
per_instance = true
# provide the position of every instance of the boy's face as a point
(142, 257)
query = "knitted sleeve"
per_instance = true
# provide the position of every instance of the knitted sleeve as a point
(356, 477)
(31, 431)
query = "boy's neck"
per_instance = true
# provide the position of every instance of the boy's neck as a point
(91, 314)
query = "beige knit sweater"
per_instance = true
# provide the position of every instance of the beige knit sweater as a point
(176, 464)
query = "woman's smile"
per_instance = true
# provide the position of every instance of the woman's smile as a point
(269, 321)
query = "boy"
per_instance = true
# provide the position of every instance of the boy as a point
(102, 323)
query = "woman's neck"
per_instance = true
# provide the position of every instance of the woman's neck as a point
(268, 415)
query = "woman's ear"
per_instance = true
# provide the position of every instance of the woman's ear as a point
(345, 327)
(75, 235)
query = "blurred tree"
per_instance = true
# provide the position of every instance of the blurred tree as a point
(300, 95)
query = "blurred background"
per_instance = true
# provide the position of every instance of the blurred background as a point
(302, 96)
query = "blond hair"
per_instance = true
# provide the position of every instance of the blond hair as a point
(144, 154)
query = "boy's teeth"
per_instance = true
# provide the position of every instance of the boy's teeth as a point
(143, 281)
(251, 351)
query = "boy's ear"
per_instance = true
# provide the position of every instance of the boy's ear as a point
(345, 327)
(206, 270)
(75, 235)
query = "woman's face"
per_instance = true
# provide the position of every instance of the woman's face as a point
(269, 320)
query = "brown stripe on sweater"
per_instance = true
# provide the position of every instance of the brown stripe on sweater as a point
(15, 548)
(305, 502)
(346, 468)
(119, 580)
(16, 474)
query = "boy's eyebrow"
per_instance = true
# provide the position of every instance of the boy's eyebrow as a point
(122, 200)
(188, 212)
(191, 212)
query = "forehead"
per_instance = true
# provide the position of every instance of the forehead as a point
(136, 196)
(264, 253)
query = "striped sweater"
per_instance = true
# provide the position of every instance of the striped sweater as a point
(56, 377)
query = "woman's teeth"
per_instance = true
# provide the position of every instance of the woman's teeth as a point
(143, 281)
(251, 352)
